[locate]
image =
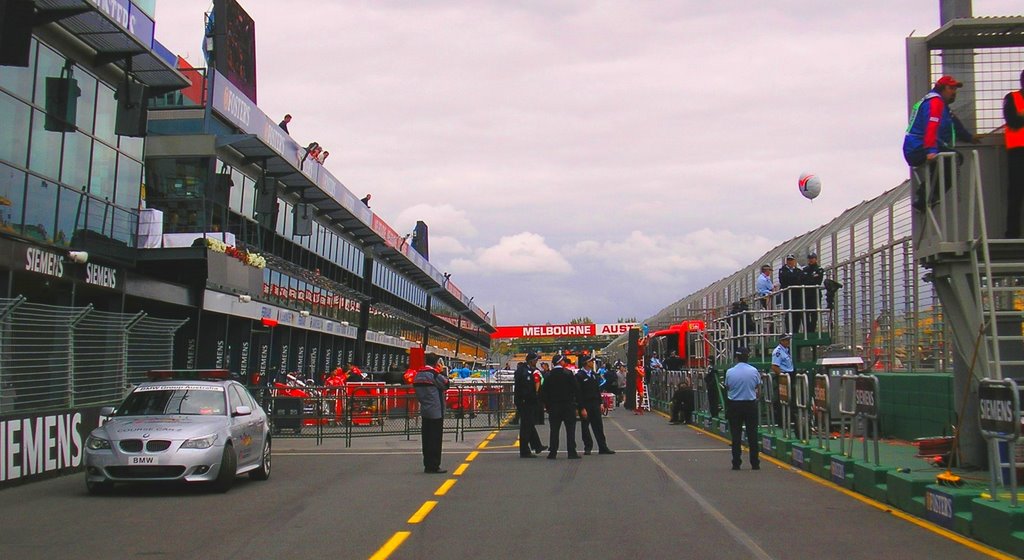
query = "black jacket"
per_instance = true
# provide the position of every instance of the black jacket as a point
(814, 275)
(590, 387)
(791, 277)
(560, 388)
(673, 363)
(525, 388)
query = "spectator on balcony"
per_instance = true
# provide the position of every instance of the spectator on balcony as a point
(764, 285)
(792, 299)
(284, 123)
(1013, 113)
(813, 276)
(366, 200)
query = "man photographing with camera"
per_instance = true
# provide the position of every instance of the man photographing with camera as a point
(431, 383)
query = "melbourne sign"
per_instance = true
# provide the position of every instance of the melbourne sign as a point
(560, 331)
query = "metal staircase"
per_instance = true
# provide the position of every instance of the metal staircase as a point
(980, 280)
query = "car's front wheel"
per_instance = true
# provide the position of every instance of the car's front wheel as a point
(98, 488)
(228, 470)
(263, 471)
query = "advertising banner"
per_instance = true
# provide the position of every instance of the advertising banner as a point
(558, 331)
(42, 445)
(996, 409)
(939, 507)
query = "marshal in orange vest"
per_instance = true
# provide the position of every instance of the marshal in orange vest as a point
(1015, 136)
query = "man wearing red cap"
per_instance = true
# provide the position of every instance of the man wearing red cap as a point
(1013, 112)
(933, 129)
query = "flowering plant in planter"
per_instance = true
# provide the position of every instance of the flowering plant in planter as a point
(245, 257)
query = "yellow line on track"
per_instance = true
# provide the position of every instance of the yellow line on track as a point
(483, 444)
(462, 468)
(471, 456)
(393, 543)
(926, 525)
(445, 487)
(422, 513)
(491, 436)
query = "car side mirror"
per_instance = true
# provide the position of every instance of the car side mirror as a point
(107, 411)
(242, 411)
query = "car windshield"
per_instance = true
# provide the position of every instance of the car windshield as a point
(157, 401)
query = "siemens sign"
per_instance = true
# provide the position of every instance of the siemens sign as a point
(42, 445)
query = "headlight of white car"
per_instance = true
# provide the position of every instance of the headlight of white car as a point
(96, 443)
(200, 443)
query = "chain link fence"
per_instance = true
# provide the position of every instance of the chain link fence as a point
(54, 357)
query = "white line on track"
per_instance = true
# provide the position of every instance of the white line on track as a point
(739, 534)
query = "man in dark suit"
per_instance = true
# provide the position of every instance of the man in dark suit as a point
(561, 393)
(526, 391)
(792, 299)
(591, 408)
(814, 275)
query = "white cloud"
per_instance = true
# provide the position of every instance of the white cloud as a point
(441, 219)
(444, 245)
(522, 253)
(666, 260)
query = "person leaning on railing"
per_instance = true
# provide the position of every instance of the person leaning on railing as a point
(764, 286)
(934, 129)
(813, 275)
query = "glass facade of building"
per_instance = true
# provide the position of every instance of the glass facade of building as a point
(84, 179)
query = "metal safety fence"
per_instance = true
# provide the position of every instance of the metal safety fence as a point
(358, 410)
(54, 357)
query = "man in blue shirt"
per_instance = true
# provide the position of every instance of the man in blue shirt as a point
(764, 285)
(782, 362)
(782, 357)
(743, 381)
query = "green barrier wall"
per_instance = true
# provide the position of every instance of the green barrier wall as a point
(916, 405)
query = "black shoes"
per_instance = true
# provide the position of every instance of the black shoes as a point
(435, 471)
(575, 456)
(756, 467)
(551, 456)
(540, 449)
(606, 452)
(586, 452)
(735, 467)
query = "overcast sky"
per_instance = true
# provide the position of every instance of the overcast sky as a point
(590, 158)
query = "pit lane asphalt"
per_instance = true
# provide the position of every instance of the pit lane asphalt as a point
(668, 493)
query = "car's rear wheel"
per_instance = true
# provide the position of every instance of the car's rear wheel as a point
(228, 467)
(98, 488)
(263, 471)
